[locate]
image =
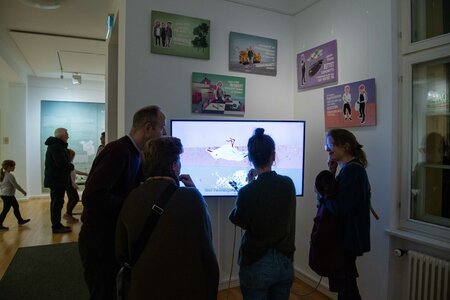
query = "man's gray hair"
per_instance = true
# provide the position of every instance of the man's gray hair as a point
(148, 114)
(59, 132)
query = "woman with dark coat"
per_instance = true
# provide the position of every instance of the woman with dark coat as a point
(352, 203)
(178, 261)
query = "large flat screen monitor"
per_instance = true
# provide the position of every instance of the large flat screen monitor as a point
(215, 152)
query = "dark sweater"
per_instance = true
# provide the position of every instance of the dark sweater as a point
(57, 164)
(115, 172)
(265, 208)
(352, 201)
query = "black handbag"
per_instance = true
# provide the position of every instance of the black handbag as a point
(326, 252)
(124, 274)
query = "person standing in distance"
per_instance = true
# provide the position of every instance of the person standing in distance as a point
(102, 143)
(115, 172)
(57, 175)
(265, 208)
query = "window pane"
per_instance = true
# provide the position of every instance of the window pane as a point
(429, 18)
(430, 194)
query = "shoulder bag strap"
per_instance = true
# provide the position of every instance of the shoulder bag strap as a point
(155, 213)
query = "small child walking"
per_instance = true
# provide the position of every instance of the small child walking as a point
(8, 186)
(72, 191)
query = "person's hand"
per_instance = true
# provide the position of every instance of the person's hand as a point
(251, 175)
(186, 180)
(25, 193)
(332, 166)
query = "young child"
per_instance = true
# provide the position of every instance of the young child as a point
(72, 191)
(326, 184)
(8, 186)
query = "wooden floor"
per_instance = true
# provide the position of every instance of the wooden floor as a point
(38, 232)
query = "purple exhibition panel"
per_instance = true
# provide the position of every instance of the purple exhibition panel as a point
(351, 105)
(317, 66)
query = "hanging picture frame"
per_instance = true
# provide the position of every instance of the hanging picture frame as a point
(252, 54)
(179, 35)
(317, 66)
(351, 105)
(218, 94)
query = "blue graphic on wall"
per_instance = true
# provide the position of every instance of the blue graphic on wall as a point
(84, 123)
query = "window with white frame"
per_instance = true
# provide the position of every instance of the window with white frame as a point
(425, 112)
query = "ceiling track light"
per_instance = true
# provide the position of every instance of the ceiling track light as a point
(76, 78)
(43, 4)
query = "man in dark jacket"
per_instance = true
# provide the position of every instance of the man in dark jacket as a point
(57, 176)
(115, 172)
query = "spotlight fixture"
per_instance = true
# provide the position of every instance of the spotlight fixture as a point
(43, 4)
(76, 79)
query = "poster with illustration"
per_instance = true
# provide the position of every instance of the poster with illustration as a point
(252, 54)
(317, 66)
(179, 35)
(218, 94)
(351, 105)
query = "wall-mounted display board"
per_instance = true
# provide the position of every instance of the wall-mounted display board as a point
(317, 66)
(252, 54)
(218, 94)
(179, 35)
(351, 105)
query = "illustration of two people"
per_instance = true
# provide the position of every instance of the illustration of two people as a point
(163, 33)
(360, 104)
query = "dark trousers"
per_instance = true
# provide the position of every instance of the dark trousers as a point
(346, 285)
(56, 205)
(73, 198)
(99, 262)
(347, 108)
(8, 202)
(362, 112)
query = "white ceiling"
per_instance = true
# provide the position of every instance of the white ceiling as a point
(287, 7)
(72, 37)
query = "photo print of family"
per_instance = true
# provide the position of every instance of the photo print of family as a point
(252, 54)
(350, 105)
(179, 35)
(317, 66)
(218, 94)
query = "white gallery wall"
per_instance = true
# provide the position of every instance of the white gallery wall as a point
(56, 90)
(166, 80)
(13, 129)
(364, 34)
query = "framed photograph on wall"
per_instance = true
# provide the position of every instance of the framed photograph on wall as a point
(351, 105)
(317, 66)
(218, 94)
(179, 35)
(252, 54)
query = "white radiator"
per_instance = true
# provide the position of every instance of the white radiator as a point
(428, 277)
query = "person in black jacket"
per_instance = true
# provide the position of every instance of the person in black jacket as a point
(57, 175)
(352, 204)
(116, 171)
